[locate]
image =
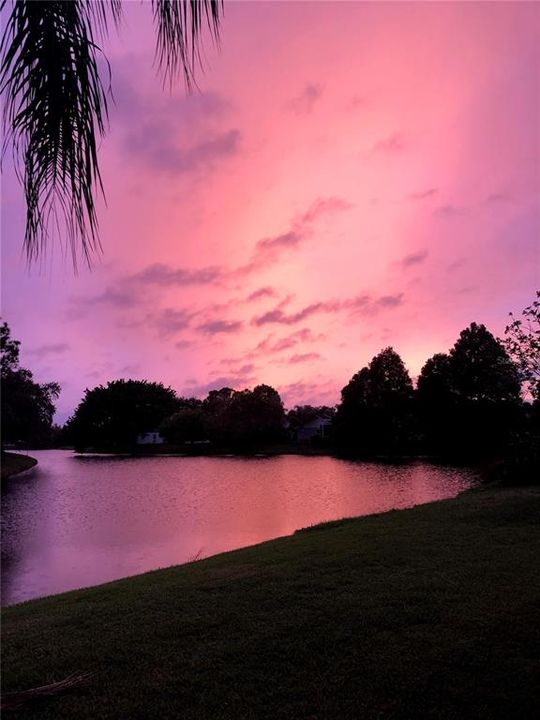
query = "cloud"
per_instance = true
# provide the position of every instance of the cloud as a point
(449, 211)
(289, 239)
(414, 258)
(423, 195)
(122, 296)
(460, 262)
(392, 144)
(304, 103)
(170, 321)
(268, 250)
(157, 145)
(162, 274)
(261, 293)
(361, 303)
(52, 349)
(305, 357)
(182, 344)
(214, 327)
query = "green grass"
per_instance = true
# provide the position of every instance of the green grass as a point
(13, 463)
(431, 612)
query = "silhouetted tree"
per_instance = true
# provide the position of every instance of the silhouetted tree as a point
(375, 414)
(110, 417)
(522, 342)
(469, 400)
(256, 416)
(481, 368)
(186, 424)
(27, 407)
(56, 102)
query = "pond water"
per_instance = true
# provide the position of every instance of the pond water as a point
(78, 521)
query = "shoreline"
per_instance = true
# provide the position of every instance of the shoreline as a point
(15, 464)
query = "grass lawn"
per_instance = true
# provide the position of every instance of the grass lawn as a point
(432, 612)
(13, 463)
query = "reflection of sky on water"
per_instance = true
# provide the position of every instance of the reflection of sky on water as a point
(74, 522)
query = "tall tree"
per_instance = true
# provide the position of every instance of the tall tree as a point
(481, 368)
(27, 407)
(375, 414)
(468, 400)
(56, 100)
(522, 341)
(110, 417)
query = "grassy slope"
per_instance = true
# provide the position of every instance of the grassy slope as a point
(13, 463)
(424, 613)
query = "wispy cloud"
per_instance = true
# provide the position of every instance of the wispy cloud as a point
(268, 250)
(162, 274)
(391, 145)
(304, 103)
(303, 357)
(423, 195)
(361, 303)
(157, 146)
(414, 258)
(262, 292)
(215, 327)
(449, 211)
(45, 350)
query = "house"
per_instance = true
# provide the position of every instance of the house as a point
(316, 428)
(150, 438)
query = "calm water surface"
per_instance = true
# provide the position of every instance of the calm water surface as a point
(73, 522)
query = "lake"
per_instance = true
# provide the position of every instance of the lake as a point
(78, 521)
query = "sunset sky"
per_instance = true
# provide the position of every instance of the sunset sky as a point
(349, 176)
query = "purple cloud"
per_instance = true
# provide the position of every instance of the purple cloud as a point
(214, 327)
(44, 350)
(391, 144)
(161, 274)
(414, 258)
(156, 144)
(170, 321)
(304, 103)
(268, 250)
(423, 195)
(305, 357)
(261, 293)
(361, 303)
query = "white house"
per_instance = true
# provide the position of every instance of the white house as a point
(314, 428)
(150, 438)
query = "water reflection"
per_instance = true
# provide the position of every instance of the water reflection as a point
(73, 522)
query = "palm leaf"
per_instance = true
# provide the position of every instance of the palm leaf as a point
(55, 107)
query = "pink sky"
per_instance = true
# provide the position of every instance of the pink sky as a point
(349, 176)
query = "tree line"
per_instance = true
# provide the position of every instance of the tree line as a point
(466, 403)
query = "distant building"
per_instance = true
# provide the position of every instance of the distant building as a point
(316, 428)
(150, 438)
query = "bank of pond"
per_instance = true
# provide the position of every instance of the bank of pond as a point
(80, 520)
(429, 612)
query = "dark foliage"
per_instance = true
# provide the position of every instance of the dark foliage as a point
(522, 341)
(376, 411)
(27, 407)
(110, 417)
(469, 400)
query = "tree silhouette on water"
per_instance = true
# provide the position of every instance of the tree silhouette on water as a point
(56, 101)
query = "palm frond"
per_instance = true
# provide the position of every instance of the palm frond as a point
(179, 26)
(55, 111)
(55, 108)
